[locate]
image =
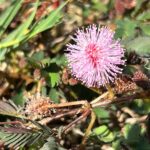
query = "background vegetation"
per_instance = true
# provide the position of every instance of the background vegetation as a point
(33, 35)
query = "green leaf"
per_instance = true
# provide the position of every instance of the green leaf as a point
(51, 145)
(54, 95)
(104, 134)
(36, 59)
(100, 130)
(141, 45)
(144, 16)
(54, 78)
(47, 22)
(125, 28)
(132, 133)
(128, 69)
(2, 1)
(37, 56)
(116, 145)
(45, 62)
(20, 33)
(18, 137)
(145, 28)
(18, 98)
(109, 138)
(14, 38)
(8, 15)
(99, 6)
(3, 53)
(60, 60)
(101, 113)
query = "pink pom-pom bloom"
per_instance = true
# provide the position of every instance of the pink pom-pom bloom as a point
(95, 56)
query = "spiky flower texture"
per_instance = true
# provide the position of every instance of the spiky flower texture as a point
(95, 57)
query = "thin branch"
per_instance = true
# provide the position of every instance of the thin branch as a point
(99, 98)
(69, 126)
(90, 126)
(119, 100)
(12, 122)
(67, 104)
(136, 119)
(58, 116)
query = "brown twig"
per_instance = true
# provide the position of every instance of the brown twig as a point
(12, 122)
(58, 116)
(90, 126)
(136, 119)
(67, 104)
(69, 126)
(99, 98)
(119, 100)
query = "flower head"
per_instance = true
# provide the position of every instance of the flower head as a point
(95, 56)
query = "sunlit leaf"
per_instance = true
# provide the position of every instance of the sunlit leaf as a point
(54, 95)
(101, 113)
(19, 33)
(54, 78)
(47, 22)
(125, 28)
(103, 133)
(141, 45)
(7, 16)
(145, 28)
(144, 16)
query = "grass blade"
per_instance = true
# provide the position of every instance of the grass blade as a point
(8, 15)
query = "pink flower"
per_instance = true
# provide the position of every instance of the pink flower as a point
(95, 57)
